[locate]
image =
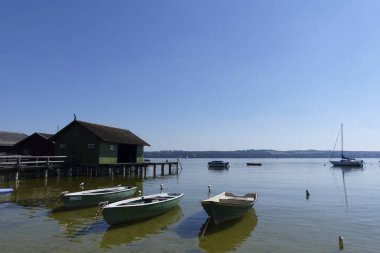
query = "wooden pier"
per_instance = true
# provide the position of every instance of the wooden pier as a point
(50, 166)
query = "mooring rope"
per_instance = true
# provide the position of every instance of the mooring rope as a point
(101, 206)
(204, 230)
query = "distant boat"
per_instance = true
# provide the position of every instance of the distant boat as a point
(140, 207)
(94, 197)
(227, 206)
(218, 165)
(253, 164)
(346, 161)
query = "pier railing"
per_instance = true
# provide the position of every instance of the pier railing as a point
(21, 162)
(15, 165)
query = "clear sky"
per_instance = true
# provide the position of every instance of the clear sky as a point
(196, 75)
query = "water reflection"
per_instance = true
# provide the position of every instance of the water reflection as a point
(346, 170)
(5, 196)
(123, 234)
(73, 220)
(227, 236)
(38, 193)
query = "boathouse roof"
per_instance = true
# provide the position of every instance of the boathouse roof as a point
(11, 138)
(109, 134)
(43, 135)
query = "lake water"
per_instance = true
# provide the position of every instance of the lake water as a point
(342, 202)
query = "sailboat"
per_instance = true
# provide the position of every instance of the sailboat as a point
(346, 161)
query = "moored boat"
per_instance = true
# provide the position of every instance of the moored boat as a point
(253, 164)
(94, 197)
(227, 206)
(140, 207)
(218, 165)
(346, 161)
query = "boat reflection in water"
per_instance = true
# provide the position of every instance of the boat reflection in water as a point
(133, 231)
(227, 236)
(75, 222)
(346, 170)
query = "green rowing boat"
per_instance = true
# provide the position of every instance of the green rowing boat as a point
(140, 207)
(94, 197)
(227, 206)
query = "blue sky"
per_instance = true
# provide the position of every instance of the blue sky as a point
(195, 75)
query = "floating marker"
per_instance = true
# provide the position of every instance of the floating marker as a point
(341, 246)
(161, 187)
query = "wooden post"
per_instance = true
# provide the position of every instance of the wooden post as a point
(145, 172)
(154, 170)
(170, 168)
(162, 169)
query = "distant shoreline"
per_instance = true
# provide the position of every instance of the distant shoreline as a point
(252, 153)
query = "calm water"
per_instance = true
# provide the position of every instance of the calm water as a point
(342, 202)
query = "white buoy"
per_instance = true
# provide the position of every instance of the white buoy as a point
(81, 184)
(341, 246)
(139, 193)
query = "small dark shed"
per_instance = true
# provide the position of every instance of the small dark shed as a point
(87, 143)
(37, 144)
(8, 140)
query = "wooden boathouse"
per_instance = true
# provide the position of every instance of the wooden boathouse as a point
(89, 144)
(37, 144)
(85, 149)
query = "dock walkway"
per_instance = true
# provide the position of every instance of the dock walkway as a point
(58, 166)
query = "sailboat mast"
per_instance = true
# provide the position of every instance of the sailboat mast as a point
(341, 130)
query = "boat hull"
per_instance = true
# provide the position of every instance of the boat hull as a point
(78, 199)
(253, 164)
(348, 163)
(218, 165)
(114, 214)
(222, 212)
(6, 190)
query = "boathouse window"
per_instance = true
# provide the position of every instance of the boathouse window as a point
(62, 146)
(112, 147)
(90, 145)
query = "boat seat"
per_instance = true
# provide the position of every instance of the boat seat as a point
(235, 201)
